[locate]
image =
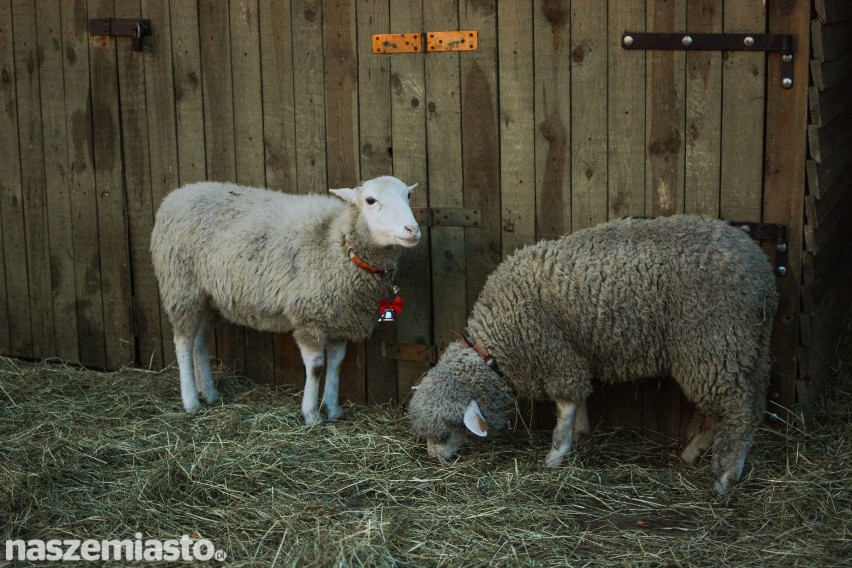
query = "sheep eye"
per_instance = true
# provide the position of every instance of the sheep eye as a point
(371, 200)
(409, 196)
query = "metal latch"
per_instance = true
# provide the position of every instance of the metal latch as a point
(464, 40)
(447, 217)
(782, 43)
(123, 27)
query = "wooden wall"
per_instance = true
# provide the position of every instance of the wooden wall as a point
(549, 127)
(827, 261)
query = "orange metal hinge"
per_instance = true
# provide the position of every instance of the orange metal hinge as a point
(464, 40)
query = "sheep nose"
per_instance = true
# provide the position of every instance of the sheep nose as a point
(413, 230)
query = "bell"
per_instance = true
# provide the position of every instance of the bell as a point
(387, 315)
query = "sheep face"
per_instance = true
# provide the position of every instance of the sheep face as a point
(384, 208)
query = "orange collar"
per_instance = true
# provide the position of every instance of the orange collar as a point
(361, 263)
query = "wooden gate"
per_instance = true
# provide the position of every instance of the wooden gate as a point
(548, 127)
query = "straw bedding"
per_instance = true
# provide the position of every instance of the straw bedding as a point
(106, 455)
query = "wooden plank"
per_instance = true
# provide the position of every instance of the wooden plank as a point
(589, 114)
(821, 177)
(829, 73)
(341, 87)
(830, 140)
(665, 113)
(830, 41)
(820, 208)
(188, 100)
(480, 145)
(58, 202)
(374, 111)
(28, 86)
(309, 75)
(16, 333)
(444, 151)
(830, 11)
(517, 142)
(79, 154)
(408, 134)
(786, 118)
(827, 105)
(626, 116)
(704, 146)
(132, 82)
(743, 104)
(163, 152)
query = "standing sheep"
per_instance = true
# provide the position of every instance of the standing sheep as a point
(677, 296)
(315, 265)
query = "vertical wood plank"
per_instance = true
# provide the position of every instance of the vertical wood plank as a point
(309, 96)
(444, 150)
(703, 112)
(16, 335)
(26, 72)
(743, 104)
(132, 83)
(517, 130)
(374, 105)
(589, 114)
(408, 125)
(186, 18)
(784, 174)
(552, 35)
(217, 81)
(480, 145)
(626, 114)
(341, 111)
(84, 205)
(58, 203)
(161, 99)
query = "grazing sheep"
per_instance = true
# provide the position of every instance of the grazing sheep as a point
(677, 296)
(315, 265)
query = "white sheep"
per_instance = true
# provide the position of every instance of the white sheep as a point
(681, 296)
(316, 265)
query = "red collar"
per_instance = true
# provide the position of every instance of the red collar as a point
(486, 358)
(360, 262)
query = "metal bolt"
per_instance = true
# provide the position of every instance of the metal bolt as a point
(628, 41)
(787, 82)
(787, 58)
(781, 270)
(748, 41)
(686, 41)
(781, 247)
(745, 228)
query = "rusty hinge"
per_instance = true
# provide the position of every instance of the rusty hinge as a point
(124, 27)
(415, 352)
(464, 40)
(447, 217)
(782, 43)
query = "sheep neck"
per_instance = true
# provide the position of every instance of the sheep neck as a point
(363, 253)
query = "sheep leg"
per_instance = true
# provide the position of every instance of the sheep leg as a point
(581, 422)
(563, 433)
(734, 435)
(188, 392)
(313, 356)
(335, 351)
(201, 360)
(702, 429)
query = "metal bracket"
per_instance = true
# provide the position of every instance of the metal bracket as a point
(137, 29)
(447, 217)
(782, 43)
(415, 352)
(463, 40)
(769, 232)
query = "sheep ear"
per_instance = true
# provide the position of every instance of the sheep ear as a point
(411, 187)
(346, 194)
(474, 421)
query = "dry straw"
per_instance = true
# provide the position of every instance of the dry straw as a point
(105, 455)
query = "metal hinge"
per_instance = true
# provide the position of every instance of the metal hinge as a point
(123, 27)
(447, 217)
(782, 43)
(464, 40)
(769, 232)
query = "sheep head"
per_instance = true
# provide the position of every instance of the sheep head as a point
(383, 206)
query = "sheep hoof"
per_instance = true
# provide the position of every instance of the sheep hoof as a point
(192, 407)
(211, 396)
(334, 414)
(553, 459)
(313, 418)
(689, 457)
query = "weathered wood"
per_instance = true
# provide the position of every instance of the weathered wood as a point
(830, 41)
(743, 104)
(589, 114)
(784, 166)
(819, 208)
(408, 122)
(189, 105)
(109, 184)
(827, 105)
(26, 72)
(309, 96)
(827, 74)
(443, 138)
(830, 11)
(552, 53)
(341, 102)
(704, 104)
(517, 143)
(626, 116)
(16, 330)
(833, 138)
